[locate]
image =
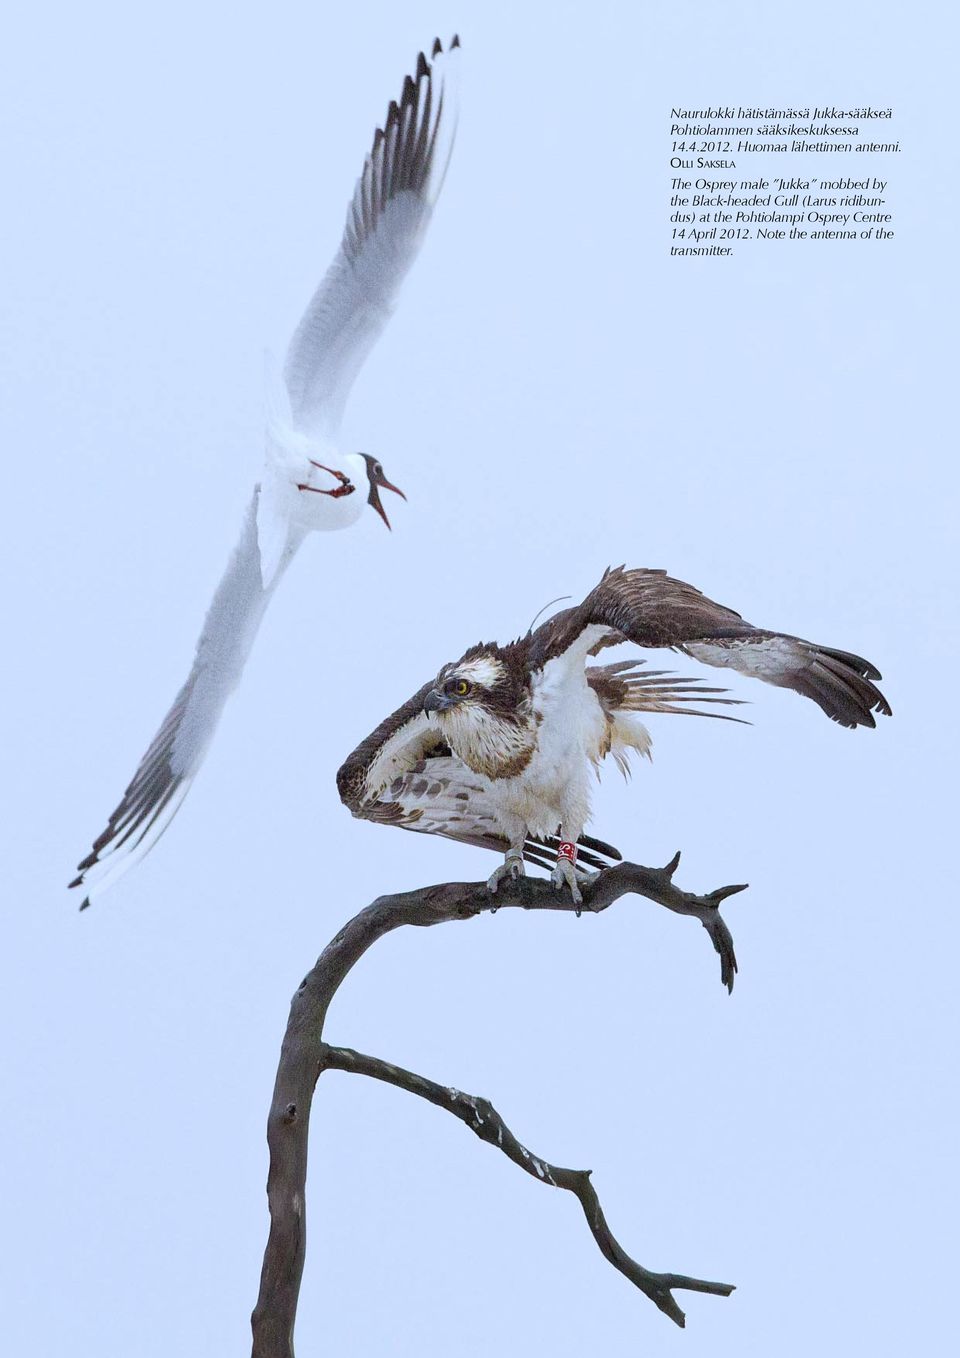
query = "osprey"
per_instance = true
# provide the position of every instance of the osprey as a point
(500, 750)
(308, 482)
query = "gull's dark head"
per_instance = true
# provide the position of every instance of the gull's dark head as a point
(376, 480)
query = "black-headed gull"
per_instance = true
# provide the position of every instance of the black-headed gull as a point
(308, 482)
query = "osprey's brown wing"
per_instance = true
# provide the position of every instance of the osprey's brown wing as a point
(649, 608)
(405, 774)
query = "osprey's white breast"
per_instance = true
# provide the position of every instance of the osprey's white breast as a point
(554, 788)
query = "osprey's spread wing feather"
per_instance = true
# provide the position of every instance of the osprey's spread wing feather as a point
(169, 766)
(405, 774)
(619, 689)
(649, 608)
(386, 220)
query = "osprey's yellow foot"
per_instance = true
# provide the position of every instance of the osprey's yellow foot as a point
(509, 870)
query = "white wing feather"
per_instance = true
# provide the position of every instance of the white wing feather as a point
(167, 770)
(387, 217)
(386, 221)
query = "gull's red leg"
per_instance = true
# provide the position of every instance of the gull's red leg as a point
(346, 486)
(346, 489)
(344, 480)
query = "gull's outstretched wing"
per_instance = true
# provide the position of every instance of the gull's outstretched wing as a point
(404, 774)
(649, 608)
(386, 221)
(169, 766)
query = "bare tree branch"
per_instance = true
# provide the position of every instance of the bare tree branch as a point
(482, 1118)
(302, 1053)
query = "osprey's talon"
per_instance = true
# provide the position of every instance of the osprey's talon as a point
(565, 874)
(509, 870)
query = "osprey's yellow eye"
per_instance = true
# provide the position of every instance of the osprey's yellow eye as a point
(462, 688)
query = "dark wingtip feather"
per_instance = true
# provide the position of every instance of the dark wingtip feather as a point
(837, 684)
(853, 662)
(437, 47)
(600, 846)
(85, 903)
(454, 42)
(422, 67)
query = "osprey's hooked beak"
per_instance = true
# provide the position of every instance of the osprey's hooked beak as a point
(435, 702)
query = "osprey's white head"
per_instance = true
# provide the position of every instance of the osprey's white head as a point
(481, 704)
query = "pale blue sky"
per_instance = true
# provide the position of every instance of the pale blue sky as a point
(554, 394)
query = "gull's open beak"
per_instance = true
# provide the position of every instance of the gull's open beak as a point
(374, 498)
